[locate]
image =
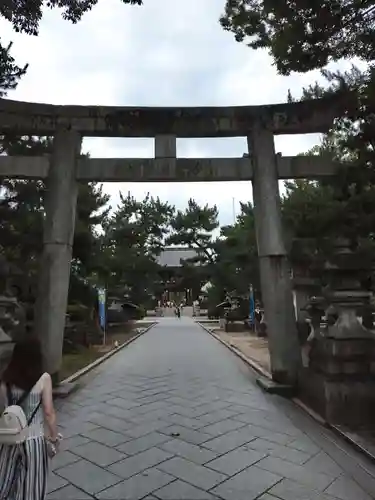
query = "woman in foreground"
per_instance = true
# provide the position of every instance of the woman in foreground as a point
(24, 466)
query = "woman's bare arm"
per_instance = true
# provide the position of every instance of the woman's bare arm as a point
(48, 408)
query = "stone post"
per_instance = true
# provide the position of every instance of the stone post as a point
(61, 201)
(165, 146)
(275, 276)
(165, 153)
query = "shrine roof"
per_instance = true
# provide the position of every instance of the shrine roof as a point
(172, 256)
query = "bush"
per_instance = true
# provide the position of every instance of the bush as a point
(213, 313)
(78, 312)
(141, 312)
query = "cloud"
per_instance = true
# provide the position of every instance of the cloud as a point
(165, 53)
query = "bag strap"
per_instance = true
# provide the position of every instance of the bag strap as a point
(34, 412)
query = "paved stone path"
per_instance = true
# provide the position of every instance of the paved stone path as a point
(177, 416)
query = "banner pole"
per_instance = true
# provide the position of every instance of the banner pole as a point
(104, 317)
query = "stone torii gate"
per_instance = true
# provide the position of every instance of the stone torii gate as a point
(64, 168)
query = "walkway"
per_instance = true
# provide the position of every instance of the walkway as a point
(177, 416)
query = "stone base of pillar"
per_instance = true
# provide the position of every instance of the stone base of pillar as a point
(48, 324)
(55, 379)
(340, 381)
(267, 385)
(285, 351)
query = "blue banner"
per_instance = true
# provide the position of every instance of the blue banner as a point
(252, 305)
(101, 309)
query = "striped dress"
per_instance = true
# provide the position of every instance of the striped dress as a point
(24, 467)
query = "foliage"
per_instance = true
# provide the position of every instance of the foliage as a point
(343, 205)
(133, 238)
(306, 34)
(10, 73)
(22, 207)
(193, 228)
(309, 214)
(236, 259)
(26, 16)
(22, 217)
(352, 143)
(229, 261)
(302, 36)
(215, 295)
(92, 212)
(21, 222)
(309, 208)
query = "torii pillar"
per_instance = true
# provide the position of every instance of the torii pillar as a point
(285, 352)
(54, 273)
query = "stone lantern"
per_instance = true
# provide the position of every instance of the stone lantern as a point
(340, 382)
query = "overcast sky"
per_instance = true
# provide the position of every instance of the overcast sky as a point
(165, 53)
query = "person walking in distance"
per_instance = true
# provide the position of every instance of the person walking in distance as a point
(178, 311)
(29, 412)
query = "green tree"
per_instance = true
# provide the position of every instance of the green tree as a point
(92, 213)
(10, 73)
(22, 215)
(194, 228)
(309, 209)
(26, 16)
(344, 204)
(21, 222)
(236, 255)
(351, 141)
(304, 35)
(22, 207)
(133, 237)
(310, 214)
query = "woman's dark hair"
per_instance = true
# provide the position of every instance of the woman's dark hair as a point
(26, 365)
